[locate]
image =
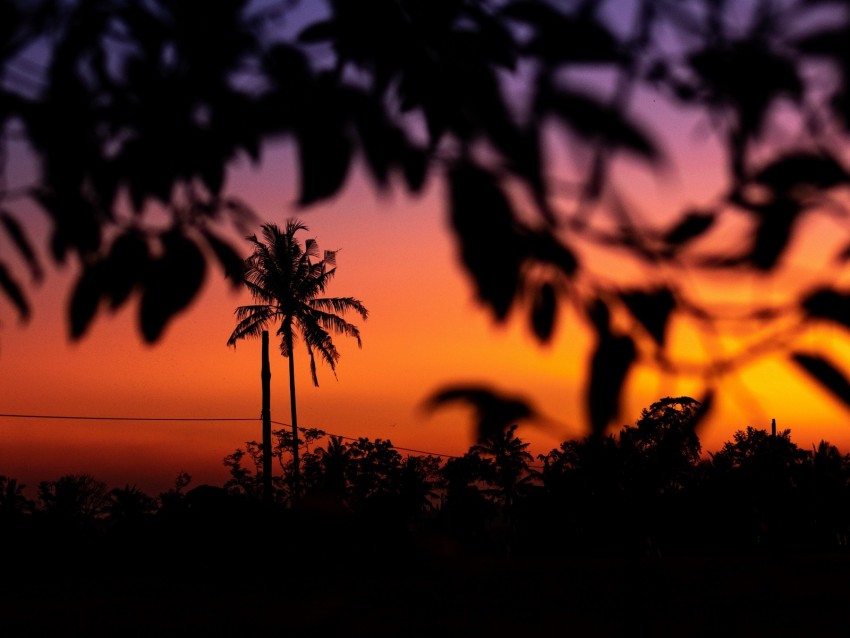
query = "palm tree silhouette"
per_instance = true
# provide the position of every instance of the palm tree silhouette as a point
(286, 280)
(511, 463)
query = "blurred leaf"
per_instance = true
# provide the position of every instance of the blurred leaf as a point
(609, 366)
(561, 38)
(773, 232)
(826, 374)
(652, 309)
(843, 255)
(599, 316)
(591, 118)
(231, 262)
(818, 170)
(545, 247)
(125, 267)
(544, 311)
(19, 238)
(494, 410)
(13, 292)
(689, 228)
(826, 303)
(415, 168)
(705, 407)
(747, 75)
(483, 220)
(85, 298)
(173, 281)
(324, 153)
(212, 173)
(320, 31)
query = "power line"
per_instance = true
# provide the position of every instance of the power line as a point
(120, 418)
(65, 417)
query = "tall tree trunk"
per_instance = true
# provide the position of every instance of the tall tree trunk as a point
(266, 376)
(296, 470)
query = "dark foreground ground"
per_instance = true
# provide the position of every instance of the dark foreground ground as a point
(327, 578)
(720, 596)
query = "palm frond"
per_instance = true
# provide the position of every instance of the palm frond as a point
(285, 278)
(313, 365)
(315, 336)
(336, 324)
(340, 305)
(251, 321)
(287, 336)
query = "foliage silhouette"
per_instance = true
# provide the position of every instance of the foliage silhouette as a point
(474, 93)
(287, 281)
(664, 441)
(425, 538)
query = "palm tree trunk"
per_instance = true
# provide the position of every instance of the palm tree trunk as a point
(266, 375)
(296, 471)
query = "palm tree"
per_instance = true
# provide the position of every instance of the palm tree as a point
(286, 280)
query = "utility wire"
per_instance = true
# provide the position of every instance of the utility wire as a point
(120, 418)
(142, 418)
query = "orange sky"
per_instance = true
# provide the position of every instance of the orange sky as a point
(425, 330)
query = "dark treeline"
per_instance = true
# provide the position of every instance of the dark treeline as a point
(602, 536)
(647, 490)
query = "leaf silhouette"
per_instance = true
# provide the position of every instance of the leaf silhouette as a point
(85, 299)
(609, 367)
(746, 75)
(826, 374)
(705, 407)
(13, 292)
(19, 238)
(544, 311)
(324, 154)
(825, 303)
(692, 225)
(818, 170)
(773, 232)
(173, 281)
(125, 267)
(483, 219)
(560, 38)
(230, 260)
(592, 119)
(652, 309)
(494, 411)
(545, 247)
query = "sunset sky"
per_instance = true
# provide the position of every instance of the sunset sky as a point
(425, 331)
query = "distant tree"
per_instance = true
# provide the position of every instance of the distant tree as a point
(753, 447)
(13, 502)
(287, 280)
(373, 471)
(826, 489)
(584, 483)
(465, 510)
(76, 499)
(760, 476)
(418, 483)
(510, 470)
(172, 500)
(332, 469)
(129, 506)
(242, 479)
(663, 447)
(283, 445)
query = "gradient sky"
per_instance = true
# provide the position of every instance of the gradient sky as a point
(425, 330)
